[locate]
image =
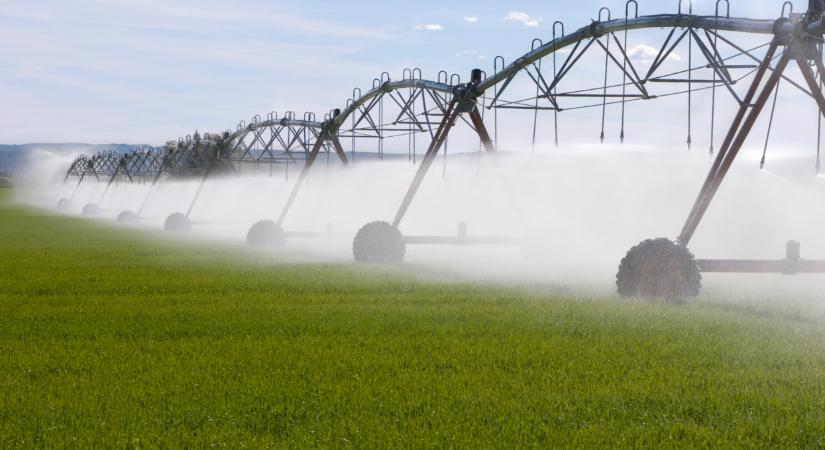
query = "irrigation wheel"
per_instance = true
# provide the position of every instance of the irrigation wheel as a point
(379, 242)
(265, 233)
(177, 222)
(128, 218)
(64, 204)
(91, 209)
(659, 268)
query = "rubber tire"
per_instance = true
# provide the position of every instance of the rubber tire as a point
(128, 218)
(177, 222)
(265, 233)
(377, 243)
(91, 210)
(64, 204)
(659, 268)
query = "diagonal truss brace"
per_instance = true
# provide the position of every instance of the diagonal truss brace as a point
(451, 115)
(327, 135)
(744, 121)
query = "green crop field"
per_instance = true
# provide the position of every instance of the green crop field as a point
(120, 338)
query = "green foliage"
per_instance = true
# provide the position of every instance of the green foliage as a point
(112, 339)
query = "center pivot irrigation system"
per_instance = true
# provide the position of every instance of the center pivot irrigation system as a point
(412, 109)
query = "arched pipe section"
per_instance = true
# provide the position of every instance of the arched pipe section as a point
(753, 26)
(386, 87)
(383, 84)
(444, 83)
(635, 8)
(727, 7)
(787, 10)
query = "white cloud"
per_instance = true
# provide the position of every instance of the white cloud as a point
(471, 54)
(471, 19)
(647, 53)
(429, 27)
(523, 18)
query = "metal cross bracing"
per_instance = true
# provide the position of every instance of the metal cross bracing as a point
(273, 141)
(135, 166)
(726, 55)
(412, 107)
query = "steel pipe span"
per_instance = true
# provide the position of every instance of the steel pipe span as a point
(596, 29)
(387, 86)
(717, 23)
(795, 40)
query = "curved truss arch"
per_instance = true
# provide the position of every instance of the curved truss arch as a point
(355, 120)
(415, 106)
(290, 139)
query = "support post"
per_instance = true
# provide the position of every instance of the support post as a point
(326, 134)
(339, 149)
(206, 174)
(447, 122)
(478, 124)
(94, 172)
(813, 84)
(738, 133)
(153, 185)
(72, 169)
(111, 180)
(77, 186)
(304, 171)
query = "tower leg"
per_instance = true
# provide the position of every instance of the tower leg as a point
(313, 154)
(738, 133)
(155, 181)
(441, 134)
(206, 174)
(478, 124)
(813, 84)
(339, 149)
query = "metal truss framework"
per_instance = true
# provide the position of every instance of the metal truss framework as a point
(413, 107)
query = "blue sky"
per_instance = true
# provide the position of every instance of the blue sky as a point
(144, 71)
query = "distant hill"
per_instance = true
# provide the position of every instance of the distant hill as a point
(13, 157)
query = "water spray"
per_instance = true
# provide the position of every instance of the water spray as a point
(655, 267)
